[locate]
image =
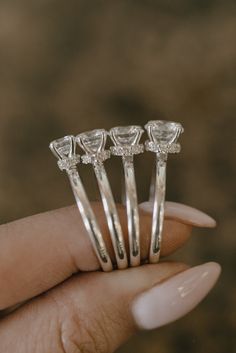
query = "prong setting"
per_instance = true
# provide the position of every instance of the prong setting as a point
(163, 136)
(126, 140)
(64, 149)
(93, 144)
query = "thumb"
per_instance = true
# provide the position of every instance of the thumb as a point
(97, 312)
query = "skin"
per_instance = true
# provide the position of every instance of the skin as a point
(53, 297)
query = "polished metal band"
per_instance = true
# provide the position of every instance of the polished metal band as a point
(159, 188)
(89, 220)
(112, 216)
(163, 136)
(132, 210)
(64, 150)
(126, 144)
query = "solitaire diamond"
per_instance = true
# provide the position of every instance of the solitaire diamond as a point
(92, 142)
(63, 147)
(163, 136)
(126, 135)
(64, 150)
(126, 140)
(164, 132)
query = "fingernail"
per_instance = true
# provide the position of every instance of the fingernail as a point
(183, 213)
(175, 297)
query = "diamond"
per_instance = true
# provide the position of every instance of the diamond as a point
(126, 135)
(64, 147)
(92, 142)
(96, 158)
(126, 140)
(164, 132)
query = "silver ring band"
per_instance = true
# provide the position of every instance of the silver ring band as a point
(64, 150)
(132, 211)
(96, 156)
(158, 208)
(163, 136)
(112, 216)
(126, 144)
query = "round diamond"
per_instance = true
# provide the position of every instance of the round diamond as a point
(64, 147)
(126, 135)
(164, 132)
(93, 141)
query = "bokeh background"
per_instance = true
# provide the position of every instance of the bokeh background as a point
(71, 66)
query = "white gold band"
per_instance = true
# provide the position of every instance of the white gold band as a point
(163, 136)
(64, 150)
(158, 209)
(89, 220)
(132, 211)
(113, 220)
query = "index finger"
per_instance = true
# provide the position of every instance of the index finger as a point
(41, 251)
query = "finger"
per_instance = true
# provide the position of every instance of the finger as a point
(97, 312)
(38, 252)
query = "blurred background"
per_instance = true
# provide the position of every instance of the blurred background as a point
(71, 66)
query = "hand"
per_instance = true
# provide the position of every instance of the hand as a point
(45, 269)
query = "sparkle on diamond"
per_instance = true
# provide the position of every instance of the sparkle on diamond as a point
(164, 132)
(63, 147)
(92, 141)
(126, 135)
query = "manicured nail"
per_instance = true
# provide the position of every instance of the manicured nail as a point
(183, 213)
(175, 297)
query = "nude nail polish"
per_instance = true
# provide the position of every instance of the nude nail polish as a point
(183, 213)
(175, 297)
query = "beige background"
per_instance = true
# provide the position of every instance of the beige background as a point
(70, 66)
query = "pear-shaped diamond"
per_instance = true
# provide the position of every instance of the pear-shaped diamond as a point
(92, 142)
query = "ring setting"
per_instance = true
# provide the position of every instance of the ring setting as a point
(126, 144)
(93, 143)
(65, 150)
(163, 136)
(163, 140)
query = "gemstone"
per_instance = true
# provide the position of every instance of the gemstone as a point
(63, 147)
(164, 132)
(92, 141)
(126, 135)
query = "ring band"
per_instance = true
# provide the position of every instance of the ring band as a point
(163, 136)
(64, 150)
(126, 144)
(93, 143)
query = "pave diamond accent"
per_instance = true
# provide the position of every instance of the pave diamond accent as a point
(64, 150)
(93, 143)
(157, 148)
(68, 163)
(127, 150)
(163, 136)
(126, 140)
(97, 157)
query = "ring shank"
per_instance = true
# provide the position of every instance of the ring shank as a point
(89, 220)
(158, 209)
(132, 210)
(112, 216)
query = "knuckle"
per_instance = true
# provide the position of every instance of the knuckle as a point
(79, 331)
